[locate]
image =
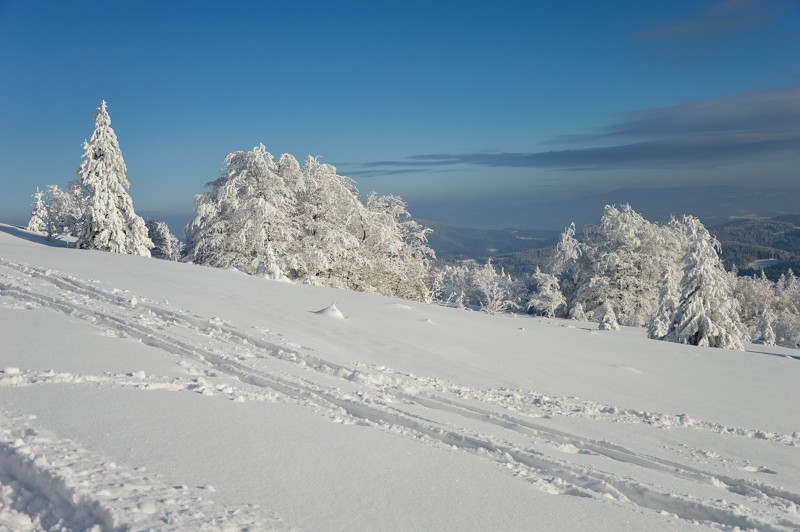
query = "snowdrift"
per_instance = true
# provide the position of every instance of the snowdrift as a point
(140, 393)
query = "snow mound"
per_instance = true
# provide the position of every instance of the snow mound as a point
(331, 311)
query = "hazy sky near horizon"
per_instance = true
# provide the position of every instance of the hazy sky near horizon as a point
(439, 102)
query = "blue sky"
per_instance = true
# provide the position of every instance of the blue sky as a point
(451, 105)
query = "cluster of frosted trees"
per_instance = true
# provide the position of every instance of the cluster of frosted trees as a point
(771, 310)
(262, 216)
(667, 277)
(625, 270)
(306, 222)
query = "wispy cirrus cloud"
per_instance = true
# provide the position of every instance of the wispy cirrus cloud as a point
(727, 16)
(755, 127)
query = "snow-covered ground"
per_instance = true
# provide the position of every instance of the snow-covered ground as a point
(138, 393)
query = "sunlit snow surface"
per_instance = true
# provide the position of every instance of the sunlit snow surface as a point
(138, 393)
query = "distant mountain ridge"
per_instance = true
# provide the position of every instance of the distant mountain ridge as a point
(713, 205)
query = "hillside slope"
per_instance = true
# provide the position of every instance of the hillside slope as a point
(141, 393)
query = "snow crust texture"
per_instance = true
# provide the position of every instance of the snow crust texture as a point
(555, 444)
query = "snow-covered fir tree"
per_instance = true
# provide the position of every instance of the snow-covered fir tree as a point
(38, 221)
(608, 318)
(765, 334)
(546, 297)
(659, 323)
(706, 313)
(577, 312)
(165, 244)
(109, 222)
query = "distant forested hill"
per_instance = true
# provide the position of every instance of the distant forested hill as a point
(518, 251)
(749, 243)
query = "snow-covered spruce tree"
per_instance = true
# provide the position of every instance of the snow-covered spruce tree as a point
(165, 245)
(38, 221)
(659, 323)
(109, 222)
(608, 319)
(764, 333)
(546, 298)
(706, 313)
(577, 312)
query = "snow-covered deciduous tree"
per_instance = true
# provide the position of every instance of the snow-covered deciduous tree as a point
(38, 221)
(245, 213)
(109, 222)
(608, 318)
(706, 313)
(452, 285)
(659, 323)
(64, 210)
(626, 255)
(546, 297)
(569, 267)
(494, 290)
(395, 249)
(619, 262)
(308, 224)
(165, 244)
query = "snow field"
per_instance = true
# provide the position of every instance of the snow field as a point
(460, 394)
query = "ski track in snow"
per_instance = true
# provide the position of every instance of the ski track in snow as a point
(259, 365)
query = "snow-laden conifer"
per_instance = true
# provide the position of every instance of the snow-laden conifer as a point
(659, 323)
(38, 221)
(706, 313)
(577, 312)
(765, 334)
(109, 222)
(608, 318)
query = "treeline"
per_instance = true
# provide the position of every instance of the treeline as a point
(627, 270)
(305, 222)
